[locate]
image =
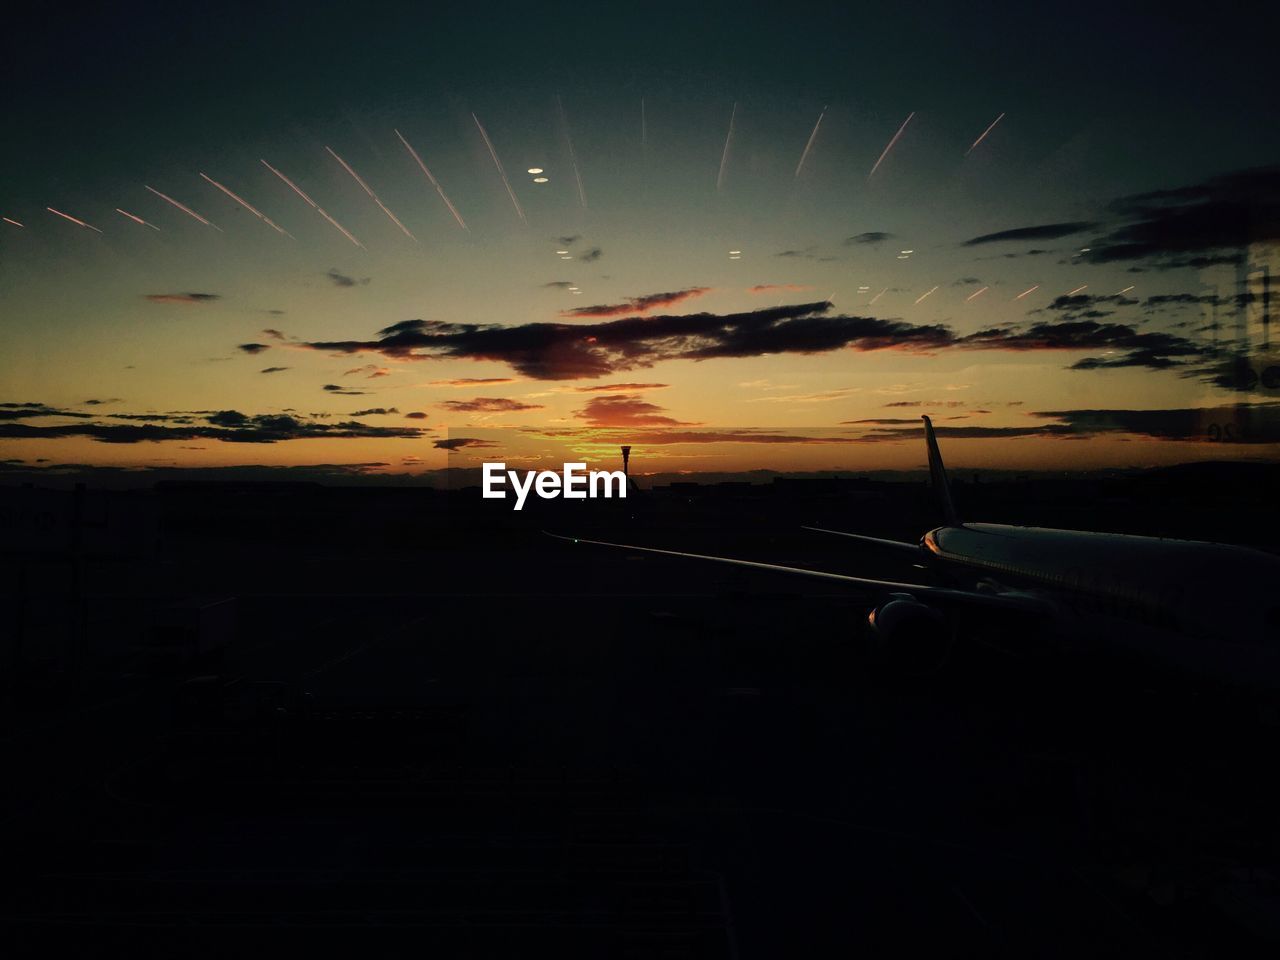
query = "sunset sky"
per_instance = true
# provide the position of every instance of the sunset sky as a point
(763, 240)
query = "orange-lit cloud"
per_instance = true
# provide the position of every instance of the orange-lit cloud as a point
(637, 304)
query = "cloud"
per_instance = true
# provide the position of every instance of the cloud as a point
(1249, 423)
(1194, 226)
(470, 381)
(372, 371)
(252, 348)
(568, 241)
(100, 403)
(637, 304)
(559, 284)
(926, 403)
(273, 333)
(375, 412)
(28, 411)
(273, 369)
(488, 405)
(591, 256)
(338, 389)
(230, 426)
(457, 443)
(1046, 231)
(555, 351)
(625, 411)
(1123, 345)
(619, 387)
(772, 287)
(342, 280)
(415, 415)
(665, 437)
(183, 297)
(871, 236)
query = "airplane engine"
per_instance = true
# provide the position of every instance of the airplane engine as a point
(908, 636)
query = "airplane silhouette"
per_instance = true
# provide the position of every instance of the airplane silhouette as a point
(1209, 608)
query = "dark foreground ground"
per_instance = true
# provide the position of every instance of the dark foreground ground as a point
(275, 720)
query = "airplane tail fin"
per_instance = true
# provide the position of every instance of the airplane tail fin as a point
(938, 474)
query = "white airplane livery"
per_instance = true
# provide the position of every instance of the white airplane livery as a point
(1209, 608)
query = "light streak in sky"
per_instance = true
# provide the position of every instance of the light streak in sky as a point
(14, 222)
(809, 146)
(185, 209)
(1125, 290)
(434, 182)
(984, 134)
(889, 147)
(976, 294)
(373, 196)
(1083, 286)
(498, 163)
(314, 206)
(573, 157)
(1027, 291)
(67, 216)
(137, 219)
(920, 299)
(878, 296)
(724, 157)
(250, 207)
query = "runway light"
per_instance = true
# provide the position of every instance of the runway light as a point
(566, 258)
(535, 169)
(562, 252)
(539, 179)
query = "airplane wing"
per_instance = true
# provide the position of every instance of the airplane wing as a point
(1014, 602)
(900, 545)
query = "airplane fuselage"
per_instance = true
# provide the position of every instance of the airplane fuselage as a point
(1206, 606)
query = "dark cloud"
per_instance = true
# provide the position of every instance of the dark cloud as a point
(559, 284)
(1045, 231)
(1243, 423)
(273, 369)
(666, 437)
(1123, 345)
(568, 241)
(967, 282)
(488, 405)
(555, 351)
(375, 412)
(338, 389)
(1194, 226)
(642, 304)
(29, 411)
(871, 236)
(273, 333)
(183, 297)
(252, 348)
(342, 280)
(230, 426)
(457, 443)
(591, 256)
(926, 403)
(415, 415)
(99, 403)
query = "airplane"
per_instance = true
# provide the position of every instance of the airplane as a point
(1209, 609)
